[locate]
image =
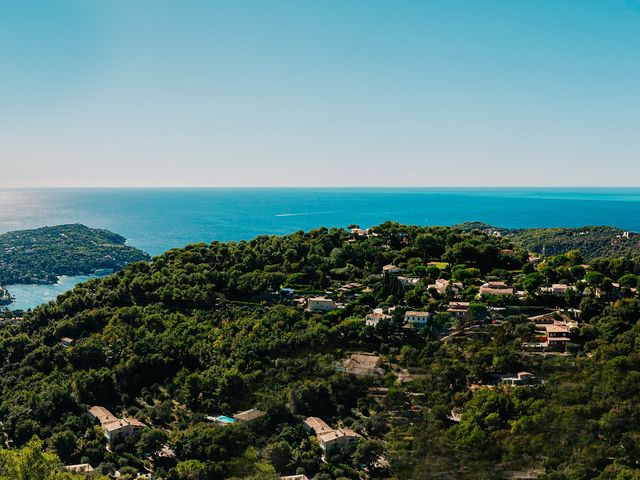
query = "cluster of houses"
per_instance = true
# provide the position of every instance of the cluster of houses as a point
(412, 319)
(550, 335)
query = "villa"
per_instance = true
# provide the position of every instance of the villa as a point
(557, 336)
(320, 304)
(337, 439)
(360, 232)
(360, 364)
(391, 269)
(317, 425)
(459, 310)
(249, 416)
(496, 288)
(112, 426)
(79, 468)
(374, 318)
(405, 281)
(521, 379)
(417, 319)
(440, 285)
(350, 287)
(329, 438)
(557, 288)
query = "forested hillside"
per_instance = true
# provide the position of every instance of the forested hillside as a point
(43, 254)
(592, 241)
(198, 334)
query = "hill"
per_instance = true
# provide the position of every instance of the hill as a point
(43, 254)
(201, 333)
(592, 241)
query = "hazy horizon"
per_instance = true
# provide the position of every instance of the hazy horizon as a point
(415, 94)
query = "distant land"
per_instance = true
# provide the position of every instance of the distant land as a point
(42, 255)
(592, 241)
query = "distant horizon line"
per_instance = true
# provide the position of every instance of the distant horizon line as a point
(311, 187)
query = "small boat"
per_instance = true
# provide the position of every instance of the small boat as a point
(101, 272)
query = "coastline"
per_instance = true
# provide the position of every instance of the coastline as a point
(28, 293)
(29, 296)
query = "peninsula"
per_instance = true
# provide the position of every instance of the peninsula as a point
(43, 254)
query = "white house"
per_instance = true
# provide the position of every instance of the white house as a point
(417, 319)
(391, 269)
(329, 438)
(337, 439)
(522, 378)
(112, 426)
(79, 468)
(406, 281)
(320, 304)
(374, 318)
(557, 288)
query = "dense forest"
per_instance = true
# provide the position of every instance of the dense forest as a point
(41, 255)
(214, 329)
(592, 241)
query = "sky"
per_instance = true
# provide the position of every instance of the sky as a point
(319, 93)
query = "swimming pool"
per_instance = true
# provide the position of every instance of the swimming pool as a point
(224, 419)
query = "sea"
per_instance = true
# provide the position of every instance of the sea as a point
(156, 219)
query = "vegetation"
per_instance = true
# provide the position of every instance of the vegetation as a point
(43, 254)
(206, 330)
(591, 241)
(32, 463)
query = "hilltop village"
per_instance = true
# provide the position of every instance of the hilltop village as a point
(392, 352)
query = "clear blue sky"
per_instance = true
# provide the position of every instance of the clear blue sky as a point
(344, 92)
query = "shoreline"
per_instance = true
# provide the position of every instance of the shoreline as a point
(31, 295)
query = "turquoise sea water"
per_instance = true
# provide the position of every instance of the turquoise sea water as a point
(158, 219)
(29, 296)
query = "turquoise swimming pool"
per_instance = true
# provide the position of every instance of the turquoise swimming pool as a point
(225, 419)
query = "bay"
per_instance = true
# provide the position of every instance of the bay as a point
(32, 295)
